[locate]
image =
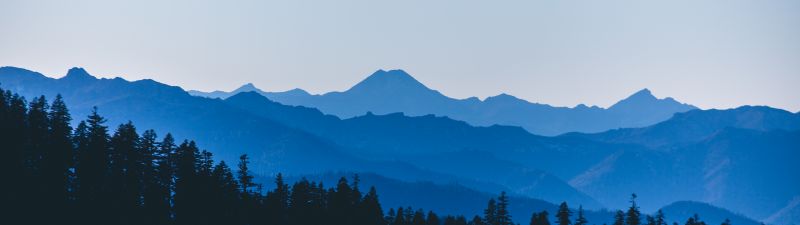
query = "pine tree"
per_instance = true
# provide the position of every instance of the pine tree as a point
(13, 138)
(563, 214)
(477, 221)
(419, 218)
(59, 155)
(187, 197)
(390, 216)
(503, 217)
(400, 218)
(277, 202)
(225, 195)
(541, 218)
(490, 213)
(92, 168)
(581, 220)
(126, 174)
(341, 204)
(245, 178)
(660, 220)
(633, 216)
(650, 220)
(432, 219)
(162, 199)
(619, 218)
(37, 138)
(153, 192)
(369, 209)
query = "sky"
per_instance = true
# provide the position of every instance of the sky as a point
(710, 53)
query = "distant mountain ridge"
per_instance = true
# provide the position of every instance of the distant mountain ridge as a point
(274, 144)
(741, 159)
(392, 91)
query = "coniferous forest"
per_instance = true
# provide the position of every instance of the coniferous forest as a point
(96, 174)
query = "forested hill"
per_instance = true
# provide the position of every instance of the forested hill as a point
(90, 175)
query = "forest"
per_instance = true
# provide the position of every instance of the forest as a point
(57, 174)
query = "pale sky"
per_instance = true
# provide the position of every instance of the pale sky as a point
(713, 54)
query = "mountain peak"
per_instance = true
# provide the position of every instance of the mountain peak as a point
(643, 94)
(392, 80)
(644, 100)
(248, 87)
(391, 75)
(78, 73)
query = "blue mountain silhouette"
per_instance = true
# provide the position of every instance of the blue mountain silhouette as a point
(392, 91)
(741, 159)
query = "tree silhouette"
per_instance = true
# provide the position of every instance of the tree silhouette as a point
(563, 214)
(619, 218)
(581, 220)
(540, 218)
(633, 216)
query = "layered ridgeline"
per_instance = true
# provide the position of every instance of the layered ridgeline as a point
(274, 146)
(589, 169)
(393, 91)
(56, 174)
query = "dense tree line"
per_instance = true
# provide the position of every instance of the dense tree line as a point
(54, 174)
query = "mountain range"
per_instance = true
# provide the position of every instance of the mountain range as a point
(740, 159)
(392, 91)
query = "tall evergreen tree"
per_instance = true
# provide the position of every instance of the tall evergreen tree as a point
(633, 216)
(541, 218)
(563, 214)
(58, 158)
(503, 217)
(225, 194)
(92, 169)
(419, 218)
(432, 219)
(245, 178)
(581, 220)
(660, 220)
(162, 199)
(650, 220)
(187, 197)
(277, 201)
(13, 134)
(369, 209)
(619, 218)
(490, 213)
(126, 174)
(36, 189)
(341, 203)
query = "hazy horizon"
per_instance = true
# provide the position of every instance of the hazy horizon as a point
(714, 54)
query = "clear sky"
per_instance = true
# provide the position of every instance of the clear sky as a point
(714, 54)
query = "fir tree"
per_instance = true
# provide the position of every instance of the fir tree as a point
(581, 220)
(619, 218)
(563, 214)
(633, 216)
(490, 213)
(503, 217)
(660, 220)
(432, 219)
